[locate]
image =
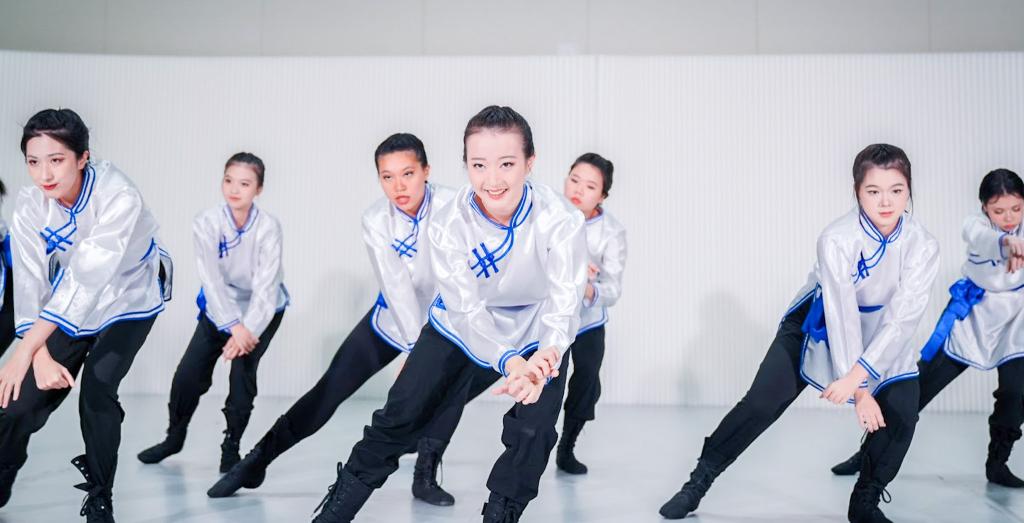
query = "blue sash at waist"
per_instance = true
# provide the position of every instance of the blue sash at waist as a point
(964, 295)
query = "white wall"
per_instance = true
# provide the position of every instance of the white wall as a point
(524, 27)
(727, 168)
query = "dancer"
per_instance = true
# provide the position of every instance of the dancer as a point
(7, 333)
(509, 257)
(587, 186)
(394, 231)
(983, 325)
(846, 334)
(241, 302)
(90, 278)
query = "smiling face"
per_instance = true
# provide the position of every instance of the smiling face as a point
(240, 186)
(883, 195)
(584, 187)
(55, 169)
(403, 179)
(498, 168)
(1005, 211)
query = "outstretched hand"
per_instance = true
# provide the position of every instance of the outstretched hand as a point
(869, 414)
(525, 380)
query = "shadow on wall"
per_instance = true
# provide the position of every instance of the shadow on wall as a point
(720, 362)
(350, 295)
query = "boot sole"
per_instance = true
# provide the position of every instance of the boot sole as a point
(436, 503)
(154, 461)
(992, 481)
(572, 473)
(672, 515)
(250, 485)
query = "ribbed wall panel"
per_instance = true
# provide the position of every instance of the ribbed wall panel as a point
(740, 162)
(726, 170)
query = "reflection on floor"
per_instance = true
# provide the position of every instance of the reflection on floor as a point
(638, 457)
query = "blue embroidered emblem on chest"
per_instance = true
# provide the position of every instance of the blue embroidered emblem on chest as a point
(60, 239)
(222, 246)
(485, 260)
(406, 248)
(864, 265)
(486, 264)
(225, 245)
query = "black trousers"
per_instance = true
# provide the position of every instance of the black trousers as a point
(359, 357)
(194, 375)
(585, 384)
(104, 360)
(7, 313)
(778, 383)
(1008, 411)
(437, 373)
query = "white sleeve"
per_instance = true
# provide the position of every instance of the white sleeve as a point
(220, 307)
(904, 311)
(565, 268)
(842, 314)
(395, 283)
(608, 286)
(982, 240)
(94, 264)
(466, 310)
(267, 278)
(31, 264)
(566, 271)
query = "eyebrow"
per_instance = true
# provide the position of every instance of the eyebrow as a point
(48, 155)
(406, 169)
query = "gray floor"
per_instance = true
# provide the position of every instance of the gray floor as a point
(638, 457)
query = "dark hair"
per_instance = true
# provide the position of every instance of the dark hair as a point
(249, 160)
(63, 125)
(399, 142)
(601, 164)
(503, 118)
(1000, 182)
(880, 156)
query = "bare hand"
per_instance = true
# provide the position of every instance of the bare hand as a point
(1014, 246)
(841, 390)
(522, 383)
(543, 364)
(869, 414)
(231, 350)
(592, 272)
(11, 375)
(244, 338)
(521, 389)
(1014, 264)
(49, 374)
(588, 295)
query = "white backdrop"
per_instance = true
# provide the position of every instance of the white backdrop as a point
(726, 170)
